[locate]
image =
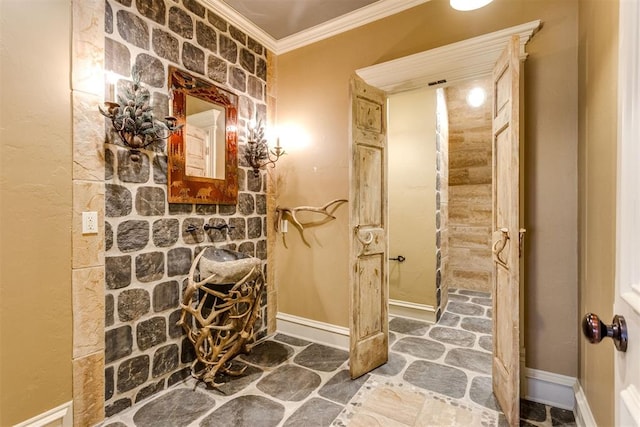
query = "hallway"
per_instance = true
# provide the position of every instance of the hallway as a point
(437, 375)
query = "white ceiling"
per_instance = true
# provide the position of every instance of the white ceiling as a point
(284, 25)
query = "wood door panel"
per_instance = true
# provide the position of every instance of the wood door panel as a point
(369, 323)
(369, 115)
(370, 273)
(506, 268)
(369, 164)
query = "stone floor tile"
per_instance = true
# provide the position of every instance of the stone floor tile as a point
(420, 347)
(467, 309)
(562, 417)
(268, 354)
(393, 367)
(473, 360)
(232, 384)
(116, 424)
(392, 338)
(401, 404)
(486, 342)
(458, 298)
(178, 407)
(474, 293)
(453, 336)
(532, 411)
(477, 324)
(298, 342)
(289, 383)
(481, 392)
(487, 302)
(341, 388)
(315, 412)
(245, 411)
(408, 326)
(448, 319)
(436, 377)
(321, 357)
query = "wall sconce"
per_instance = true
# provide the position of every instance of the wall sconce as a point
(132, 119)
(257, 153)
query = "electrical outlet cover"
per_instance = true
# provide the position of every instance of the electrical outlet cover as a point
(89, 222)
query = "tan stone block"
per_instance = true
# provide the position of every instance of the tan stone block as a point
(88, 137)
(461, 159)
(470, 237)
(470, 259)
(473, 280)
(480, 175)
(88, 390)
(87, 44)
(272, 311)
(88, 311)
(88, 250)
(458, 177)
(476, 216)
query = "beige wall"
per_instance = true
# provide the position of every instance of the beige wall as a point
(412, 195)
(35, 208)
(597, 189)
(313, 93)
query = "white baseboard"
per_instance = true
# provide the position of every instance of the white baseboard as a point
(549, 388)
(584, 417)
(320, 332)
(60, 416)
(412, 310)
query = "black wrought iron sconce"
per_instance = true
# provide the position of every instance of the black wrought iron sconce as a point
(132, 119)
(257, 153)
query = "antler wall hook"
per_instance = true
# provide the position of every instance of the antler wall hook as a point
(290, 214)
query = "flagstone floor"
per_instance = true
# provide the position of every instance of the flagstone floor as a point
(293, 382)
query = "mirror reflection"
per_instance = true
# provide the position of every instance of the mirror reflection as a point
(205, 139)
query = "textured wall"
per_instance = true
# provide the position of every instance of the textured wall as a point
(469, 188)
(35, 209)
(148, 250)
(412, 188)
(598, 124)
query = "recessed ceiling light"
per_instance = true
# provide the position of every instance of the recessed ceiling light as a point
(465, 5)
(476, 97)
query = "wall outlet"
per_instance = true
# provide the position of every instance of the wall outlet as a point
(89, 222)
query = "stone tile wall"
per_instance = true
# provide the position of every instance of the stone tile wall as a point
(469, 189)
(442, 203)
(148, 250)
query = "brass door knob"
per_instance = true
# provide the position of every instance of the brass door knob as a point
(595, 330)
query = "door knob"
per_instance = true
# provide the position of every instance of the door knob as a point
(595, 330)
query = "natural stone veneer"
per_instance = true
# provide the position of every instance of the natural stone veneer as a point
(148, 248)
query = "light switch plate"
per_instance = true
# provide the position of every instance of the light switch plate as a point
(89, 222)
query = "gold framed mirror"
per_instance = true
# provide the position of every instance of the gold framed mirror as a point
(203, 154)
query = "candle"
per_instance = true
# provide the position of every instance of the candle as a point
(278, 142)
(285, 225)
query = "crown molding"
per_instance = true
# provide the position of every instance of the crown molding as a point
(452, 63)
(365, 15)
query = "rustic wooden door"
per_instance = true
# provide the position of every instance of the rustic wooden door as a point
(369, 287)
(506, 228)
